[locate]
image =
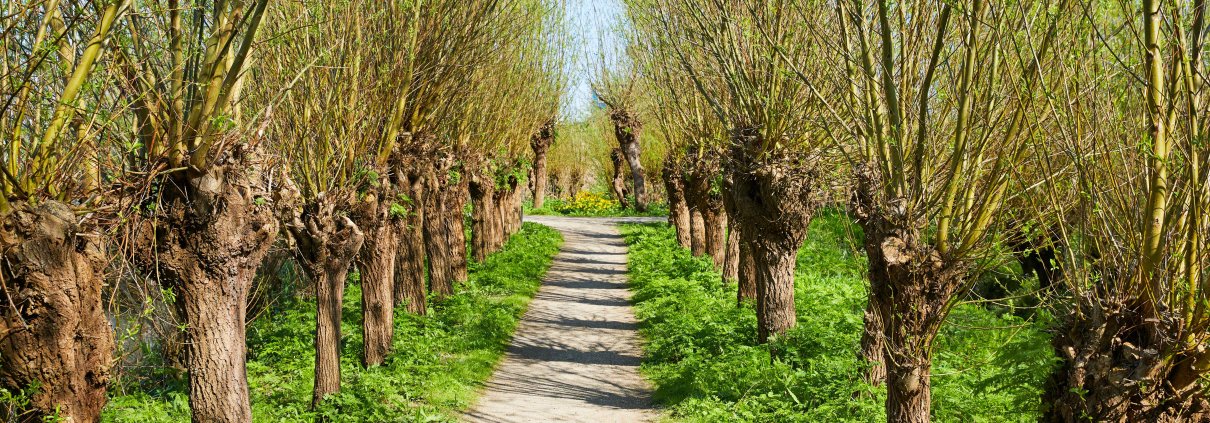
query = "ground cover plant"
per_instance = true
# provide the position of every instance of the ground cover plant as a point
(437, 363)
(704, 358)
(591, 204)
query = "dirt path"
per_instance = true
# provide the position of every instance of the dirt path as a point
(576, 354)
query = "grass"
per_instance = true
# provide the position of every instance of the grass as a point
(437, 366)
(702, 353)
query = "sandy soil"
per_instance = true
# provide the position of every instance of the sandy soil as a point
(576, 354)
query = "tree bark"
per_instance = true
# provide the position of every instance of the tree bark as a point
(626, 128)
(540, 143)
(716, 233)
(1110, 371)
(774, 271)
(214, 231)
(329, 296)
(775, 200)
(456, 198)
(410, 289)
(57, 335)
(873, 343)
(436, 236)
(377, 266)
(697, 232)
(678, 209)
(731, 262)
(911, 285)
(619, 178)
(746, 274)
(376, 215)
(328, 245)
(482, 202)
(498, 235)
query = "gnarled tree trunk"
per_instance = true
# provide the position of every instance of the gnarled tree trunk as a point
(456, 198)
(619, 178)
(215, 230)
(695, 195)
(499, 231)
(911, 285)
(377, 265)
(437, 233)
(57, 334)
(626, 127)
(775, 200)
(515, 206)
(541, 144)
(482, 191)
(327, 246)
(678, 209)
(731, 261)
(716, 232)
(1113, 371)
(410, 289)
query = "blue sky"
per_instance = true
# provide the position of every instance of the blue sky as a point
(592, 25)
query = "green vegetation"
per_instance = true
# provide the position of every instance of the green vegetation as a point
(703, 356)
(592, 204)
(437, 364)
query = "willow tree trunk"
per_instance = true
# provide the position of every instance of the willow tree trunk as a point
(456, 198)
(328, 244)
(329, 296)
(716, 233)
(57, 335)
(377, 217)
(746, 273)
(775, 200)
(619, 178)
(697, 230)
(540, 143)
(678, 209)
(1104, 377)
(498, 230)
(437, 237)
(516, 208)
(911, 285)
(731, 262)
(626, 127)
(482, 192)
(377, 266)
(214, 231)
(410, 289)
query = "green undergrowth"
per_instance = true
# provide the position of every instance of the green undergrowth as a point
(437, 366)
(591, 204)
(702, 354)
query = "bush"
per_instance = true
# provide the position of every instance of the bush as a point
(437, 364)
(703, 356)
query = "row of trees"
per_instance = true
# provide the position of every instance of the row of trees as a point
(183, 139)
(957, 133)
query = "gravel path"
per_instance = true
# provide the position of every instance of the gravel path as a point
(576, 354)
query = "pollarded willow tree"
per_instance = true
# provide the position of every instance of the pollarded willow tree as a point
(206, 211)
(936, 112)
(319, 78)
(515, 112)
(1133, 115)
(616, 85)
(453, 38)
(772, 148)
(55, 341)
(694, 170)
